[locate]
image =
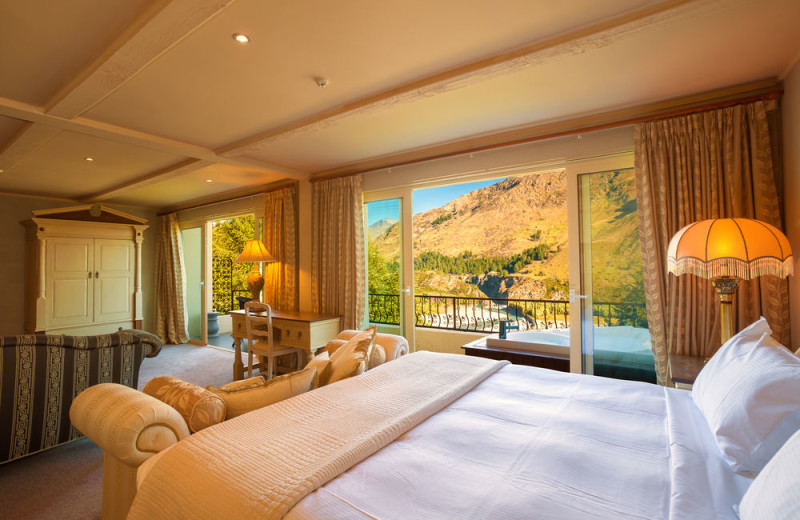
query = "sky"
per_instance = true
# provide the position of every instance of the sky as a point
(424, 200)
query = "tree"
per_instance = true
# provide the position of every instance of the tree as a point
(228, 238)
(384, 278)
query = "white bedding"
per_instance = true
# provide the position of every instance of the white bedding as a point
(533, 443)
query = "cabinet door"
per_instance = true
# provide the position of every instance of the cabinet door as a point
(69, 280)
(113, 283)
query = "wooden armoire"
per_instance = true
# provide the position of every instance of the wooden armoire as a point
(84, 273)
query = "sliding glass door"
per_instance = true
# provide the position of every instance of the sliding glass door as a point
(546, 261)
(389, 271)
(614, 334)
(193, 239)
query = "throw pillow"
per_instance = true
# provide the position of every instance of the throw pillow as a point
(333, 345)
(198, 407)
(352, 358)
(378, 356)
(749, 393)
(244, 396)
(244, 384)
(322, 364)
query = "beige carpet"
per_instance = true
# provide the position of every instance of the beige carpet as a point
(65, 482)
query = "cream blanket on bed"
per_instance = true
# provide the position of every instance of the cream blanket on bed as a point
(262, 463)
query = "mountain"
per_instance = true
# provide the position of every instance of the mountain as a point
(509, 240)
(499, 220)
(380, 227)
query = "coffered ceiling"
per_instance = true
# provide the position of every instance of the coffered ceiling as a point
(172, 110)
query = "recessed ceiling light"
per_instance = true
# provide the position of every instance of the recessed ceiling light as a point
(241, 38)
(209, 180)
(2, 171)
(88, 159)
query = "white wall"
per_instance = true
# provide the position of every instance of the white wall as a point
(790, 112)
(13, 211)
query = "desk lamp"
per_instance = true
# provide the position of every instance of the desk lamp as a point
(255, 251)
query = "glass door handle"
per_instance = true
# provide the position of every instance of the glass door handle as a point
(574, 296)
(407, 290)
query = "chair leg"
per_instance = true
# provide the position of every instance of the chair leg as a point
(249, 362)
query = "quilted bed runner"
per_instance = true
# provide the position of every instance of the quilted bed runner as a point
(259, 465)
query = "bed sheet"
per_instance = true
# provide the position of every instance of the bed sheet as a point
(533, 443)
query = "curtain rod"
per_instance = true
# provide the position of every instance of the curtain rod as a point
(775, 93)
(276, 188)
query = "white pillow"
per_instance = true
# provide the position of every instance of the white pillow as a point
(749, 393)
(775, 493)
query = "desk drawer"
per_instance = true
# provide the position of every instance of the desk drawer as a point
(292, 333)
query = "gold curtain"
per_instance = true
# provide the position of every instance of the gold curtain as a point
(337, 250)
(170, 276)
(280, 237)
(715, 164)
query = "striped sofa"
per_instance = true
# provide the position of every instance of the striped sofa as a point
(41, 374)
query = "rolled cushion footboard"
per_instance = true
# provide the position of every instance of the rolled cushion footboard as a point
(129, 425)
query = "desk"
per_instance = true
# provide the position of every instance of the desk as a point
(305, 330)
(684, 370)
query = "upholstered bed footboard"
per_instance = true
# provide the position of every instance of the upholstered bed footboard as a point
(131, 427)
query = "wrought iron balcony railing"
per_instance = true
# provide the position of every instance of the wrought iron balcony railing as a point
(485, 314)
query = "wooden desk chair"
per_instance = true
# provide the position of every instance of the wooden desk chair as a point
(260, 339)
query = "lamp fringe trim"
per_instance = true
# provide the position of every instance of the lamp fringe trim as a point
(731, 267)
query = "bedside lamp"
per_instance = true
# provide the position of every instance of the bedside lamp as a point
(255, 251)
(727, 250)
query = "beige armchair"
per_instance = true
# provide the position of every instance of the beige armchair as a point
(395, 346)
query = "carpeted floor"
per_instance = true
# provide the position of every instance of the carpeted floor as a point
(66, 482)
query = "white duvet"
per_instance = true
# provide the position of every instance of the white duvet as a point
(531, 443)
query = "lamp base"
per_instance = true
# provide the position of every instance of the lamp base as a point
(726, 287)
(255, 282)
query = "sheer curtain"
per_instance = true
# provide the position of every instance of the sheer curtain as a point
(720, 163)
(337, 266)
(280, 237)
(170, 275)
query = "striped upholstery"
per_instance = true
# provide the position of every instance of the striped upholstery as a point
(41, 374)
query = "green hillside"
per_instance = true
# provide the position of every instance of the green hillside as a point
(509, 240)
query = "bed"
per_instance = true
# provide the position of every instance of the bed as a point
(448, 436)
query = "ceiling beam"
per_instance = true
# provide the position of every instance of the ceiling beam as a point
(160, 28)
(82, 125)
(578, 40)
(26, 142)
(176, 170)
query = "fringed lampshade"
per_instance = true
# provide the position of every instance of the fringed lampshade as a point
(727, 250)
(255, 251)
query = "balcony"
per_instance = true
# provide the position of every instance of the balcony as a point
(470, 314)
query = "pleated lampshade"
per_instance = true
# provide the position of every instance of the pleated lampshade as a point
(730, 247)
(255, 251)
